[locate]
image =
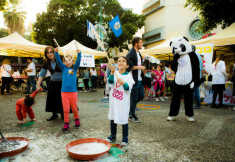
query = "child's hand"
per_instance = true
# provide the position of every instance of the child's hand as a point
(112, 68)
(78, 51)
(56, 49)
(121, 81)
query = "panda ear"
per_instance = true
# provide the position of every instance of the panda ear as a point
(185, 38)
(170, 43)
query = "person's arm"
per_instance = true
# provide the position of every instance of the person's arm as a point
(77, 63)
(42, 74)
(34, 93)
(174, 64)
(111, 79)
(30, 69)
(223, 70)
(58, 60)
(126, 86)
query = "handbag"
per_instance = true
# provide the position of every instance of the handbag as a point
(11, 78)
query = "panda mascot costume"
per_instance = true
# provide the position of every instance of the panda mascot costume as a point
(186, 67)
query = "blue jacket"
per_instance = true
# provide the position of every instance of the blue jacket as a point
(69, 81)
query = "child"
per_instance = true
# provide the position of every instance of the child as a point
(23, 106)
(158, 83)
(119, 103)
(69, 88)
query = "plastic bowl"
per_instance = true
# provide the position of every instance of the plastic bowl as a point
(87, 140)
(17, 151)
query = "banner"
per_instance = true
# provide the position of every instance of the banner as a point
(228, 99)
(207, 51)
(90, 29)
(87, 60)
(115, 25)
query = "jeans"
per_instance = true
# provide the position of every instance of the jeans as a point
(137, 94)
(86, 83)
(113, 127)
(5, 83)
(31, 81)
(196, 96)
(93, 81)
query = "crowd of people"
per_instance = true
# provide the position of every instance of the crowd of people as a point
(128, 81)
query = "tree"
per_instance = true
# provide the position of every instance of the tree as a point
(213, 13)
(3, 4)
(66, 20)
(14, 16)
(3, 33)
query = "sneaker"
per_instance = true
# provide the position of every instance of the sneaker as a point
(77, 123)
(110, 139)
(166, 98)
(170, 118)
(196, 107)
(130, 118)
(191, 119)
(52, 118)
(222, 105)
(135, 119)
(66, 127)
(214, 106)
(157, 99)
(161, 99)
(204, 104)
(124, 144)
(105, 97)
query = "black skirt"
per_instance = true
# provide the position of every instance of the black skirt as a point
(148, 82)
(54, 101)
(218, 87)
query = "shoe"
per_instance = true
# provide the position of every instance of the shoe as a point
(124, 144)
(191, 119)
(161, 99)
(135, 119)
(26, 93)
(65, 127)
(214, 106)
(204, 104)
(166, 98)
(157, 99)
(52, 118)
(77, 123)
(33, 119)
(105, 97)
(222, 105)
(110, 139)
(170, 118)
(196, 107)
(130, 118)
(9, 93)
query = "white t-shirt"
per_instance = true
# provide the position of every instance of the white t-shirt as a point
(119, 99)
(93, 72)
(31, 66)
(4, 69)
(139, 64)
(184, 75)
(48, 74)
(216, 71)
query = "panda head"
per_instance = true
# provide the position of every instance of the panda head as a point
(181, 46)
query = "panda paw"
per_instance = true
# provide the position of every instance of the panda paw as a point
(192, 85)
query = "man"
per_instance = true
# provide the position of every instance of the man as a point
(31, 75)
(136, 61)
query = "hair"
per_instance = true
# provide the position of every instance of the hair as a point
(135, 40)
(30, 58)
(127, 60)
(28, 101)
(6, 61)
(221, 57)
(46, 50)
(163, 66)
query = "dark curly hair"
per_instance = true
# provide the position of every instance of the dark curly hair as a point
(28, 101)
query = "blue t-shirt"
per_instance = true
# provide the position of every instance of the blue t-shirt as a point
(69, 81)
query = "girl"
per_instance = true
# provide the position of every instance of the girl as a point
(6, 76)
(24, 105)
(158, 83)
(69, 89)
(119, 105)
(218, 80)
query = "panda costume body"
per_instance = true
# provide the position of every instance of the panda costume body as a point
(187, 75)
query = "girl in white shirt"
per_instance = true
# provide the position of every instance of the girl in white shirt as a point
(219, 75)
(6, 76)
(119, 99)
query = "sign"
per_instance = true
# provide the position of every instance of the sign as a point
(90, 30)
(207, 51)
(228, 99)
(87, 60)
(115, 25)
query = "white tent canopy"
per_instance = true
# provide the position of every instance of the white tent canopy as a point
(16, 45)
(74, 45)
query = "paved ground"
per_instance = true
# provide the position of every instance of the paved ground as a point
(209, 138)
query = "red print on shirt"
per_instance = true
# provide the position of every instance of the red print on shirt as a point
(118, 84)
(117, 94)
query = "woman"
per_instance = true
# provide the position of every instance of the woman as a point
(53, 102)
(218, 80)
(6, 76)
(93, 79)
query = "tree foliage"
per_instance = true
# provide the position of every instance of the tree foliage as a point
(3, 4)
(3, 33)
(213, 13)
(66, 20)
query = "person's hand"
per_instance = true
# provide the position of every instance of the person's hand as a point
(78, 51)
(142, 68)
(40, 90)
(56, 49)
(121, 81)
(105, 80)
(38, 87)
(112, 69)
